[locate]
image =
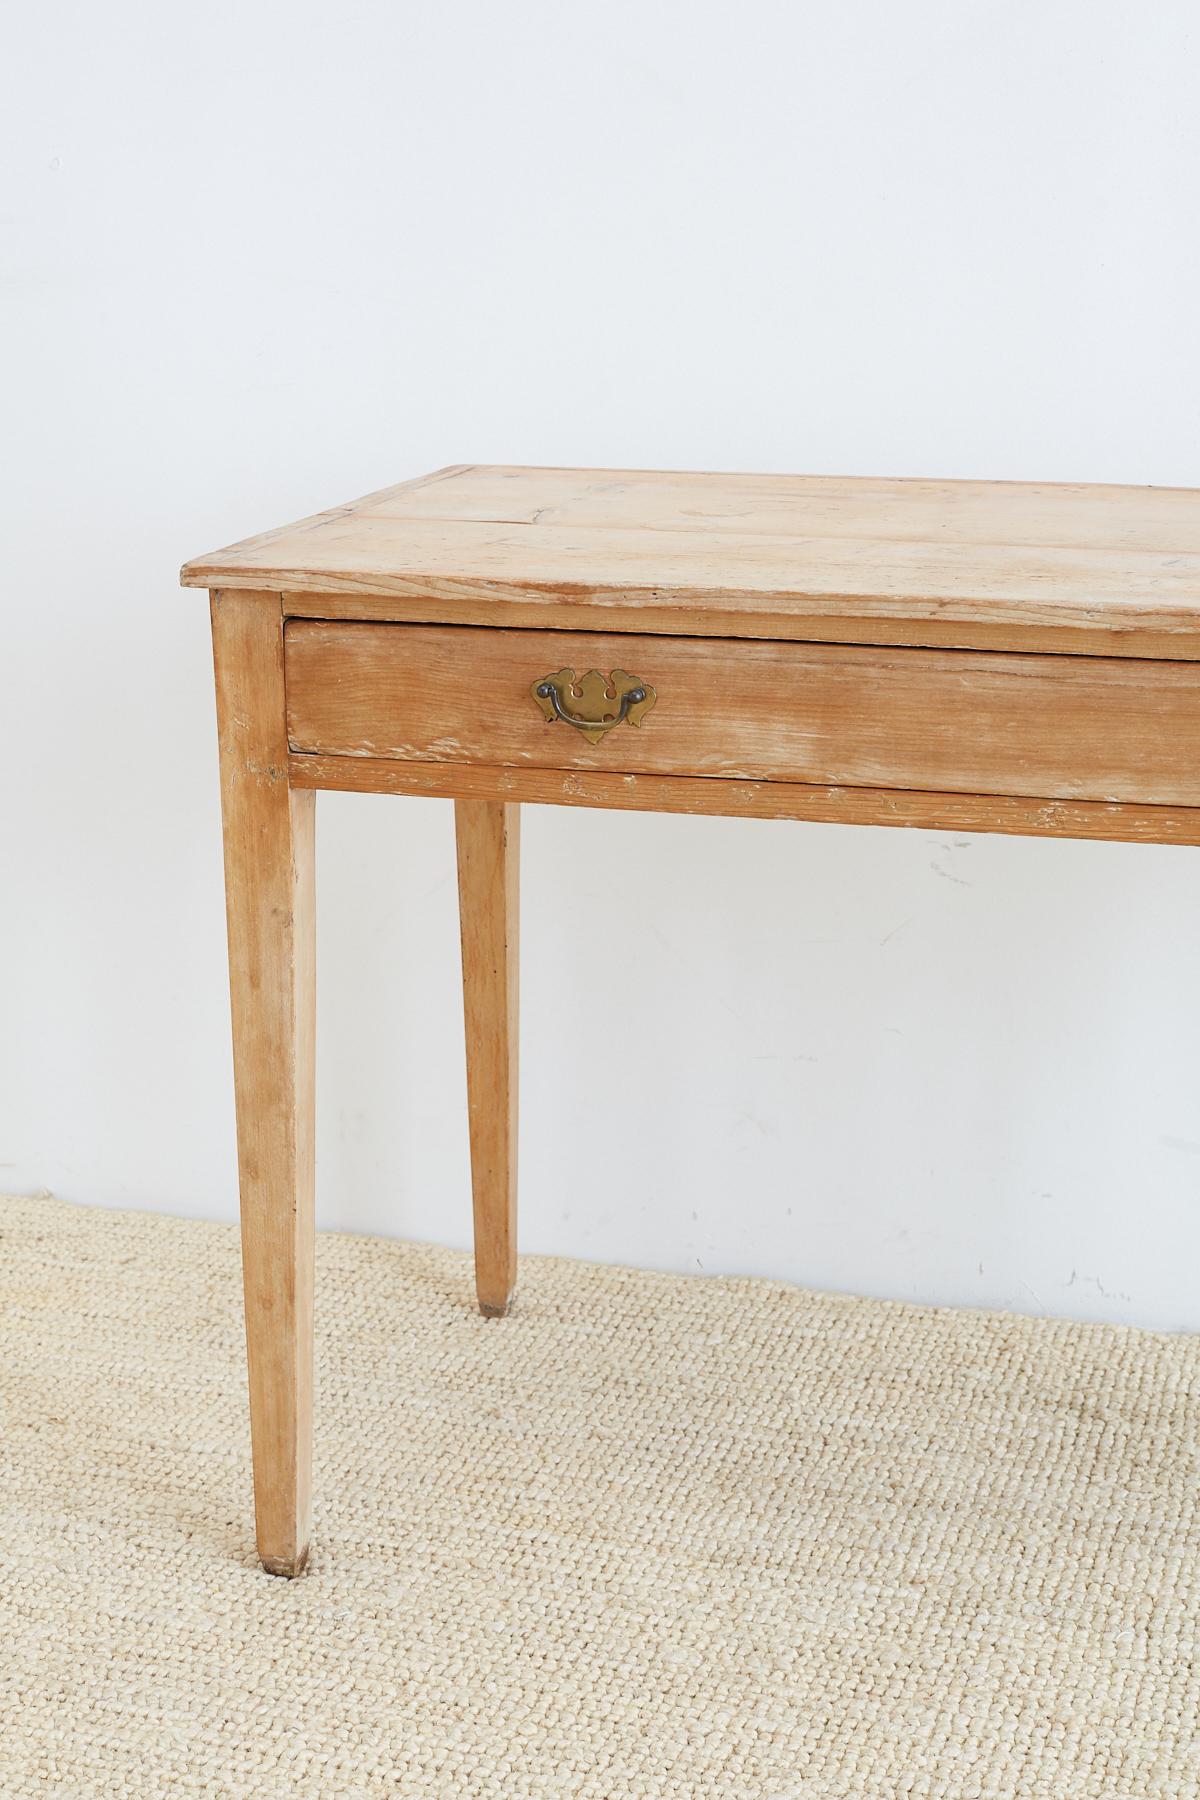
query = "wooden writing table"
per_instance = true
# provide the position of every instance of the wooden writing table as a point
(974, 656)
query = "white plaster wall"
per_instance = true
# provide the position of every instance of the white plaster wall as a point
(260, 258)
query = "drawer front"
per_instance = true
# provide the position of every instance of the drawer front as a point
(841, 715)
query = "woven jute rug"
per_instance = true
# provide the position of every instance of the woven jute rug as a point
(648, 1537)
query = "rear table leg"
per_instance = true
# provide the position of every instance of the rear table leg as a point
(488, 871)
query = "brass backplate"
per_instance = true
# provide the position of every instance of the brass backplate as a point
(593, 703)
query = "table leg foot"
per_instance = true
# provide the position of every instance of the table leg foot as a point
(285, 1565)
(493, 1307)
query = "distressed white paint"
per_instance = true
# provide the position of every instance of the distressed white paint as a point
(260, 259)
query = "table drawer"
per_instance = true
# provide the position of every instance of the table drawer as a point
(845, 715)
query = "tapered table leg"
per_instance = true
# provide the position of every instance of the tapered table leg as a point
(268, 830)
(488, 871)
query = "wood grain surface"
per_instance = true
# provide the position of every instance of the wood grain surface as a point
(847, 716)
(1109, 821)
(269, 875)
(981, 564)
(487, 834)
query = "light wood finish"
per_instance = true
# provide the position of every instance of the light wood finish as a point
(810, 506)
(1081, 728)
(963, 656)
(834, 628)
(1117, 823)
(997, 565)
(488, 837)
(268, 829)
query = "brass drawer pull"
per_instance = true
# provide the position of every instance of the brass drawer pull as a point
(597, 693)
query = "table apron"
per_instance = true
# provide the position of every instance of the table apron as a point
(942, 722)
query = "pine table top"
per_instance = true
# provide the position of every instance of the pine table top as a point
(984, 564)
